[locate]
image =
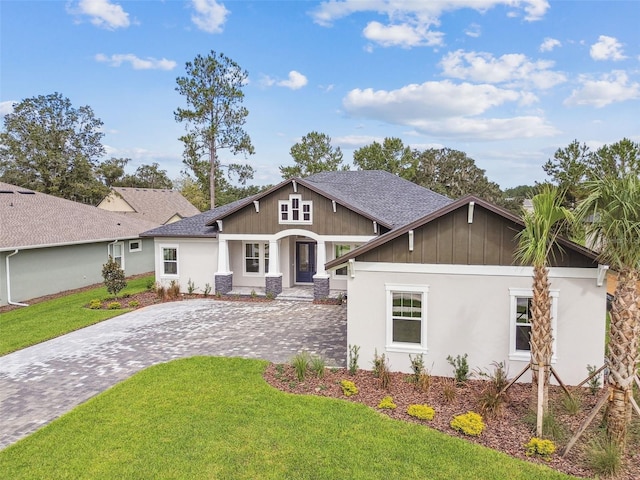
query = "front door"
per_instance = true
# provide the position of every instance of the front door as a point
(305, 262)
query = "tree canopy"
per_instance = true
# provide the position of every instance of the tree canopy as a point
(391, 156)
(214, 117)
(52, 147)
(313, 154)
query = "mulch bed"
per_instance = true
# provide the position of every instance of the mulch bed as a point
(508, 432)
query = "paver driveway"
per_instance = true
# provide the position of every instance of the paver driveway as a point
(40, 383)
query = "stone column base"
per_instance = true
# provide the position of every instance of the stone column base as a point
(273, 285)
(320, 287)
(223, 282)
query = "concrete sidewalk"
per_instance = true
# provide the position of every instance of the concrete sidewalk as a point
(40, 383)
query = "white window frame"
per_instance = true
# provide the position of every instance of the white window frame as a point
(162, 260)
(114, 256)
(525, 355)
(404, 347)
(288, 210)
(263, 259)
(139, 242)
(352, 246)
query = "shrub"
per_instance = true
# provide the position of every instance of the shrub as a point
(151, 282)
(253, 294)
(551, 427)
(449, 391)
(95, 304)
(134, 303)
(424, 382)
(604, 457)
(469, 423)
(538, 446)
(207, 289)
(173, 291)
(114, 306)
(460, 368)
(421, 412)
(348, 388)
(492, 398)
(301, 362)
(353, 359)
(318, 365)
(381, 369)
(594, 381)
(571, 404)
(191, 287)
(417, 366)
(161, 292)
(387, 403)
(113, 277)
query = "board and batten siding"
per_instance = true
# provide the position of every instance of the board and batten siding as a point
(325, 221)
(489, 240)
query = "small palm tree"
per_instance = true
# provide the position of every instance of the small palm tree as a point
(612, 212)
(537, 243)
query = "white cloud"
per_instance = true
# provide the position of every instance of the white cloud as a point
(210, 15)
(295, 81)
(511, 69)
(607, 48)
(610, 88)
(6, 107)
(355, 141)
(137, 63)
(403, 35)
(447, 109)
(474, 30)
(103, 13)
(549, 44)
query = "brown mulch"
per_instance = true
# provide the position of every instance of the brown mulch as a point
(507, 432)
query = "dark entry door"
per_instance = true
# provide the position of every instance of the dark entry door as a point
(305, 262)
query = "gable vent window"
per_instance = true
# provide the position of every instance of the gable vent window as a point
(295, 210)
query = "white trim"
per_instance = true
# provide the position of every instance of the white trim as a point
(162, 247)
(400, 347)
(256, 204)
(334, 273)
(521, 355)
(139, 249)
(488, 270)
(301, 206)
(411, 240)
(602, 274)
(470, 212)
(289, 232)
(261, 253)
(66, 244)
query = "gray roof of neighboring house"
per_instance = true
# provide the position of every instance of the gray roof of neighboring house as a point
(380, 195)
(155, 204)
(31, 219)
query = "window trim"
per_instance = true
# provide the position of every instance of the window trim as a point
(288, 210)
(263, 258)
(525, 355)
(112, 253)
(162, 260)
(352, 246)
(403, 347)
(139, 242)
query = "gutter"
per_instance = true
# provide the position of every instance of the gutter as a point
(9, 282)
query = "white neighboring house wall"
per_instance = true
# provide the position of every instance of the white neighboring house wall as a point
(197, 260)
(468, 310)
(36, 272)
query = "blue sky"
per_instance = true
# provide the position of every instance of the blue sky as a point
(506, 81)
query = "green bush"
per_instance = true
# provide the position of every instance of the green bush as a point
(387, 403)
(207, 289)
(191, 287)
(353, 359)
(469, 423)
(134, 304)
(113, 276)
(95, 304)
(604, 457)
(318, 365)
(301, 362)
(381, 369)
(460, 368)
(421, 412)
(538, 446)
(114, 306)
(348, 388)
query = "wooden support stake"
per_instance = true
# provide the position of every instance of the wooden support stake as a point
(587, 421)
(564, 387)
(515, 379)
(540, 411)
(592, 375)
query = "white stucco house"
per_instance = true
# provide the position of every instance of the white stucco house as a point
(49, 244)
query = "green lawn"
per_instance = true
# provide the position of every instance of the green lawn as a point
(42, 321)
(216, 418)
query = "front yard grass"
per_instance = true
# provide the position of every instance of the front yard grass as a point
(49, 319)
(205, 418)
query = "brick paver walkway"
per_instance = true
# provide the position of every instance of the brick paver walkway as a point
(40, 383)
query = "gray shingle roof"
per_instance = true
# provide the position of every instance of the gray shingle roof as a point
(31, 219)
(382, 196)
(154, 204)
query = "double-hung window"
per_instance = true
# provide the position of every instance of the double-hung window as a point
(521, 323)
(406, 317)
(256, 258)
(169, 260)
(295, 210)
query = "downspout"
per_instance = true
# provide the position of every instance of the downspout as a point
(9, 282)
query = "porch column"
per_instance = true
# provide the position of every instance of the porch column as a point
(321, 278)
(273, 279)
(223, 277)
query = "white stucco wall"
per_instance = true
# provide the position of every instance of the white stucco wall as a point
(469, 312)
(197, 261)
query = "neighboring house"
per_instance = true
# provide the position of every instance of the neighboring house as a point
(448, 284)
(283, 236)
(155, 205)
(49, 244)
